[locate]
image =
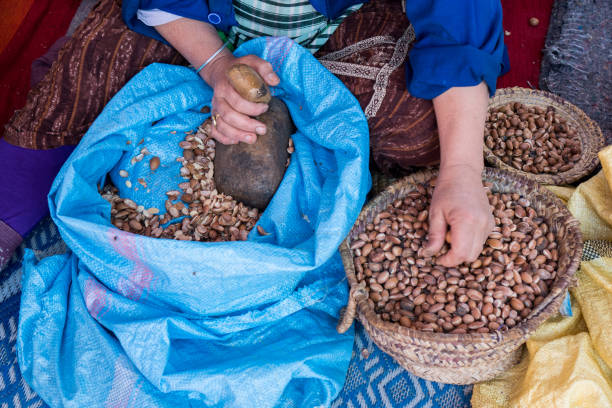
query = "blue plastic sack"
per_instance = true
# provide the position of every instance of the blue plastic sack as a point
(123, 320)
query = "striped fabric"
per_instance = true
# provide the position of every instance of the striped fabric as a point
(296, 19)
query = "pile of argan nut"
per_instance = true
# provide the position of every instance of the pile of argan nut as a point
(533, 139)
(195, 211)
(511, 276)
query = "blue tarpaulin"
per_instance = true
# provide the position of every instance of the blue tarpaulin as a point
(123, 320)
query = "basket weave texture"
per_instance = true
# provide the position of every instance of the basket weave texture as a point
(472, 357)
(591, 138)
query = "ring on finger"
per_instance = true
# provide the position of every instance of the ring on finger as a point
(214, 119)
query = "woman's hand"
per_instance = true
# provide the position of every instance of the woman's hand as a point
(233, 123)
(459, 202)
(197, 42)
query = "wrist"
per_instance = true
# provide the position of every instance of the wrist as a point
(462, 154)
(461, 170)
(215, 70)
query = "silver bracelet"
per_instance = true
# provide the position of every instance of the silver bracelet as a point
(211, 57)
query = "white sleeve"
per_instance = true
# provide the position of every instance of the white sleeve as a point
(156, 17)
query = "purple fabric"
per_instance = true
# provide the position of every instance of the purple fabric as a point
(9, 241)
(41, 65)
(25, 179)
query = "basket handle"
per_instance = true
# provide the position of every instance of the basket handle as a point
(347, 314)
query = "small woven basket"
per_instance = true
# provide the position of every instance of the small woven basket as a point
(472, 357)
(591, 138)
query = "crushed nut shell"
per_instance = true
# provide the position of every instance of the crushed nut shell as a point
(207, 215)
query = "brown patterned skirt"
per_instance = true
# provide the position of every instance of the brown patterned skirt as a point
(102, 56)
(367, 52)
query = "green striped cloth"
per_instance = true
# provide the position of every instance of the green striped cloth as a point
(296, 19)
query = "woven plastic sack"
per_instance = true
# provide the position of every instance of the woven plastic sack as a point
(568, 361)
(123, 320)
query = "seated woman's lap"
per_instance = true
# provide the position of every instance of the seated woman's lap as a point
(104, 54)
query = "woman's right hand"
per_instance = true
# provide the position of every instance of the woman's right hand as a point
(197, 41)
(234, 122)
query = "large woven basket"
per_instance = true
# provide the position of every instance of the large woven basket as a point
(472, 357)
(589, 133)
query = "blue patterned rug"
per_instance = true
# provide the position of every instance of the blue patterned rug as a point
(373, 378)
(14, 392)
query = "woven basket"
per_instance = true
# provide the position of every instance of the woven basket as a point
(587, 130)
(473, 357)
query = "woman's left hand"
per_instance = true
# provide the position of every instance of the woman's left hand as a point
(459, 202)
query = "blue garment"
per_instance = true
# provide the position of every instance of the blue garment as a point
(219, 13)
(458, 43)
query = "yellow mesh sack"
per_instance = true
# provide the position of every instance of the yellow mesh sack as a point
(567, 363)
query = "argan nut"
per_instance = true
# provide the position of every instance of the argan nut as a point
(154, 163)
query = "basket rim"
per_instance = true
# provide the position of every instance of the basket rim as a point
(590, 133)
(525, 326)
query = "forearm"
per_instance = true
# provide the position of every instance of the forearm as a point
(461, 114)
(195, 40)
